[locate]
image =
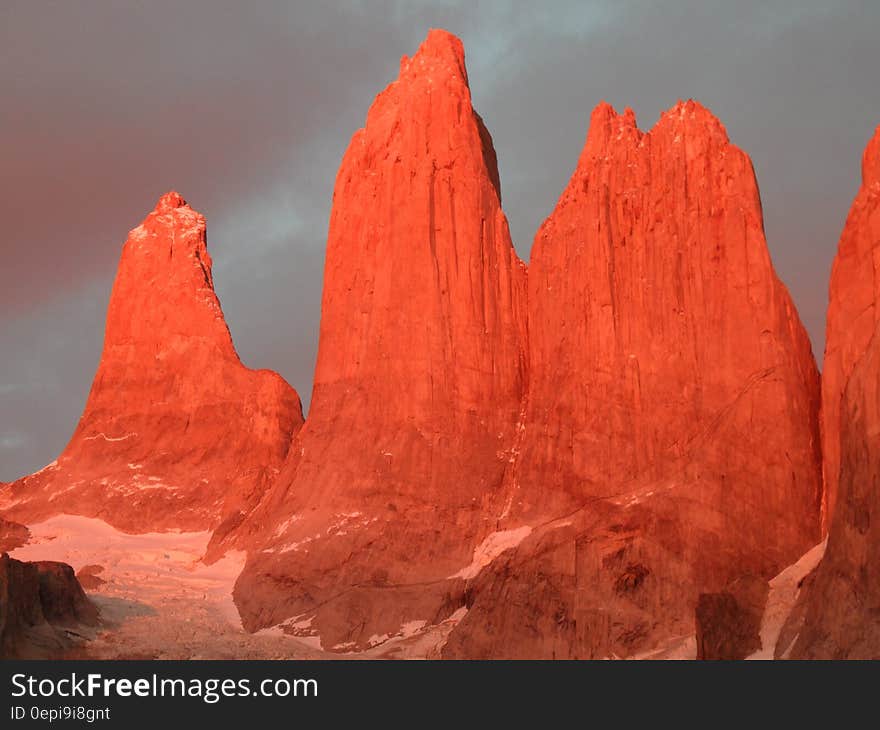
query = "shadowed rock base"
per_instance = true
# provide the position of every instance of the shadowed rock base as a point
(38, 601)
(729, 623)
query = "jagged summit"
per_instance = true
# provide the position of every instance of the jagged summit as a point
(170, 200)
(609, 130)
(692, 113)
(429, 106)
(440, 52)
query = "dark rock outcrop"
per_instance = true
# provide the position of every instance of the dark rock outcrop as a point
(37, 602)
(12, 535)
(729, 622)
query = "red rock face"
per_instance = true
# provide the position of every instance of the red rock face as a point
(670, 439)
(176, 433)
(420, 375)
(841, 603)
(840, 606)
(852, 311)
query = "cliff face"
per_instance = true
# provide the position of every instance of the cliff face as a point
(37, 600)
(176, 432)
(852, 312)
(661, 442)
(843, 598)
(841, 603)
(421, 370)
(670, 440)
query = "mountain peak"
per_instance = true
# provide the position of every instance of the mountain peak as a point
(441, 45)
(655, 233)
(169, 201)
(169, 388)
(691, 115)
(606, 130)
(611, 133)
(416, 236)
(441, 53)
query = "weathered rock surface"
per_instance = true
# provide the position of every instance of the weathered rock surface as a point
(853, 311)
(176, 433)
(729, 622)
(61, 595)
(841, 618)
(37, 600)
(89, 577)
(670, 441)
(393, 482)
(12, 535)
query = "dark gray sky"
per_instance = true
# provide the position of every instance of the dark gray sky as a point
(246, 109)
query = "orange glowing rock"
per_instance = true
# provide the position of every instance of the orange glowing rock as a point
(840, 619)
(389, 487)
(670, 441)
(840, 603)
(176, 433)
(853, 311)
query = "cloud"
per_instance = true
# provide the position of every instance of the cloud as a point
(12, 441)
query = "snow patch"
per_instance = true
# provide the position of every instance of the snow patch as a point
(144, 568)
(411, 628)
(144, 487)
(285, 526)
(491, 548)
(377, 639)
(56, 494)
(302, 624)
(313, 641)
(683, 648)
(784, 591)
(104, 436)
(335, 529)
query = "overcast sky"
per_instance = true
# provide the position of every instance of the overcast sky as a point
(246, 110)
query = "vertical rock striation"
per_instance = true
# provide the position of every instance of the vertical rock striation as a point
(421, 369)
(670, 440)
